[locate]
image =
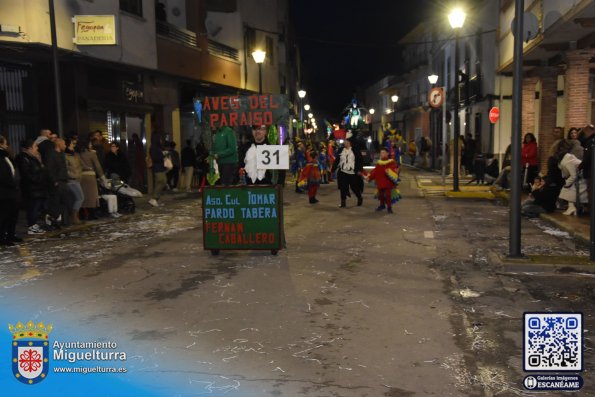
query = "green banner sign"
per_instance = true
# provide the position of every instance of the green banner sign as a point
(245, 110)
(242, 217)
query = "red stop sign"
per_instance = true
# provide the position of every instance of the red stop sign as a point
(494, 114)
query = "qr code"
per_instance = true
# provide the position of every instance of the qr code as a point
(553, 341)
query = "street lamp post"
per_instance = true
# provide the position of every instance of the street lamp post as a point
(56, 67)
(456, 19)
(301, 95)
(433, 79)
(259, 56)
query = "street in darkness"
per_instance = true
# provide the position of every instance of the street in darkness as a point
(360, 303)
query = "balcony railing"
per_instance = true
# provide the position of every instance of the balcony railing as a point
(176, 33)
(224, 51)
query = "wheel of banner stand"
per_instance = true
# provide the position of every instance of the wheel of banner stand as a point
(214, 252)
(274, 252)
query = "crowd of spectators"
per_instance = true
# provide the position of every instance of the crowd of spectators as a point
(62, 182)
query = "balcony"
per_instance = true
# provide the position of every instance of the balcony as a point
(177, 34)
(223, 51)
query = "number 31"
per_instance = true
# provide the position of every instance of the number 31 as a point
(267, 155)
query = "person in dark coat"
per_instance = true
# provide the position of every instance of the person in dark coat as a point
(159, 172)
(117, 163)
(188, 164)
(349, 166)
(45, 143)
(34, 183)
(542, 198)
(136, 155)
(173, 175)
(587, 139)
(10, 196)
(60, 199)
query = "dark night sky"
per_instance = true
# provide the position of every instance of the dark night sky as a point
(347, 43)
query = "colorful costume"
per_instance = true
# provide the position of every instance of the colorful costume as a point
(310, 179)
(322, 164)
(386, 175)
(330, 150)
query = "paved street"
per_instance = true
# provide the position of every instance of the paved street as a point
(360, 303)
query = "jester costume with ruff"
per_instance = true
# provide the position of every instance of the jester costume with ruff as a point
(386, 175)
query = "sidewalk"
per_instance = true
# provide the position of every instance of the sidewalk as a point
(430, 183)
(142, 206)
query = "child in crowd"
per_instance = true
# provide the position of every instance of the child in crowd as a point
(542, 198)
(310, 177)
(386, 175)
(323, 164)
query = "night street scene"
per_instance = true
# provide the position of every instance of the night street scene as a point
(286, 198)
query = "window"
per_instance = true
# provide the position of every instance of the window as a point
(270, 43)
(251, 39)
(132, 6)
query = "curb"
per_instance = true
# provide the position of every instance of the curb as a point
(586, 239)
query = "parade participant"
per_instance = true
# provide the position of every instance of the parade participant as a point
(310, 178)
(386, 175)
(331, 159)
(299, 164)
(247, 157)
(349, 170)
(323, 164)
(225, 151)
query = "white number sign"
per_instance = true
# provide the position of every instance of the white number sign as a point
(272, 157)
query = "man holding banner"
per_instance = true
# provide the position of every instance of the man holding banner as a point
(248, 163)
(225, 150)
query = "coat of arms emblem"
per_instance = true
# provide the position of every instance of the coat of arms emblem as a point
(30, 351)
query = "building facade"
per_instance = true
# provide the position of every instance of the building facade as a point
(558, 63)
(164, 53)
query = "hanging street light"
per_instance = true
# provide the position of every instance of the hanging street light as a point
(259, 56)
(301, 95)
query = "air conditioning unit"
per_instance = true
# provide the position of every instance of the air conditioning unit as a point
(12, 29)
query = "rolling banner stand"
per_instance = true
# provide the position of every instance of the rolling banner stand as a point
(242, 218)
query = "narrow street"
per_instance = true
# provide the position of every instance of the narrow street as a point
(360, 303)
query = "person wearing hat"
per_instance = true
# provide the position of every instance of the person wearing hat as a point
(248, 162)
(349, 165)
